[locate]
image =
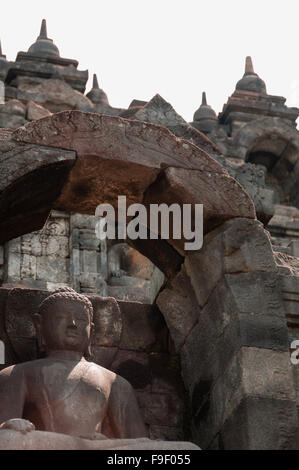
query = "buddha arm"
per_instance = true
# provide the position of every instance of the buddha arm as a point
(123, 419)
(12, 393)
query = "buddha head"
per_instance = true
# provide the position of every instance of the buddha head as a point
(64, 322)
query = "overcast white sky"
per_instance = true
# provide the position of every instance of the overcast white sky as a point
(176, 48)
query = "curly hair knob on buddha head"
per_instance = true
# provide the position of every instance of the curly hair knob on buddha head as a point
(65, 294)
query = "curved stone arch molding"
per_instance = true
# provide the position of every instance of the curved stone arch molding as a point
(143, 161)
(245, 138)
(27, 173)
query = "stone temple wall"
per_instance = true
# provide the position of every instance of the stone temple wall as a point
(66, 252)
(240, 318)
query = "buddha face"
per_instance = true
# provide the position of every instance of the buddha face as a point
(66, 325)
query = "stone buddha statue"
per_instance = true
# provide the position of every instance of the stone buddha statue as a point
(63, 401)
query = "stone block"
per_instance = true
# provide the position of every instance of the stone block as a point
(83, 221)
(162, 409)
(180, 308)
(264, 331)
(89, 261)
(107, 320)
(252, 372)
(58, 271)
(206, 353)
(247, 247)
(14, 266)
(166, 433)
(13, 246)
(267, 373)
(129, 293)
(28, 267)
(11, 121)
(237, 246)
(144, 328)
(261, 424)
(182, 186)
(209, 258)
(256, 293)
(294, 245)
(36, 111)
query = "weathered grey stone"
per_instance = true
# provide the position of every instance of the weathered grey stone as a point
(267, 373)
(55, 95)
(166, 433)
(11, 121)
(248, 374)
(213, 357)
(18, 160)
(35, 111)
(58, 273)
(140, 324)
(179, 306)
(256, 293)
(108, 322)
(239, 245)
(158, 111)
(162, 410)
(132, 293)
(178, 185)
(264, 331)
(14, 107)
(261, 424)
(23, 166)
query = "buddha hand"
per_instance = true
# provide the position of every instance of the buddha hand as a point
(19, 425)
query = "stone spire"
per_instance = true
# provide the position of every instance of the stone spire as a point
(4, 65)
(205, 119)
(1, 55)
(204, 111)
(95, 83)
(44, 46)
(251, 81)
(96, 94)
(43, 30)
(249, 66)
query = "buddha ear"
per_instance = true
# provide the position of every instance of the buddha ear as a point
(88, 353)
(37, 320)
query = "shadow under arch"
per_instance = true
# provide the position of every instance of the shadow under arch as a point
(274, 144)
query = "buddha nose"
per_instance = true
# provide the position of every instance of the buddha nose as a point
(72, 323)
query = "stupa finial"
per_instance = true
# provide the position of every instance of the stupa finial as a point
(249, 70)
(43, 30)
(95, 83)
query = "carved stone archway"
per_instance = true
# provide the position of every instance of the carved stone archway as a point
(222, 304)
